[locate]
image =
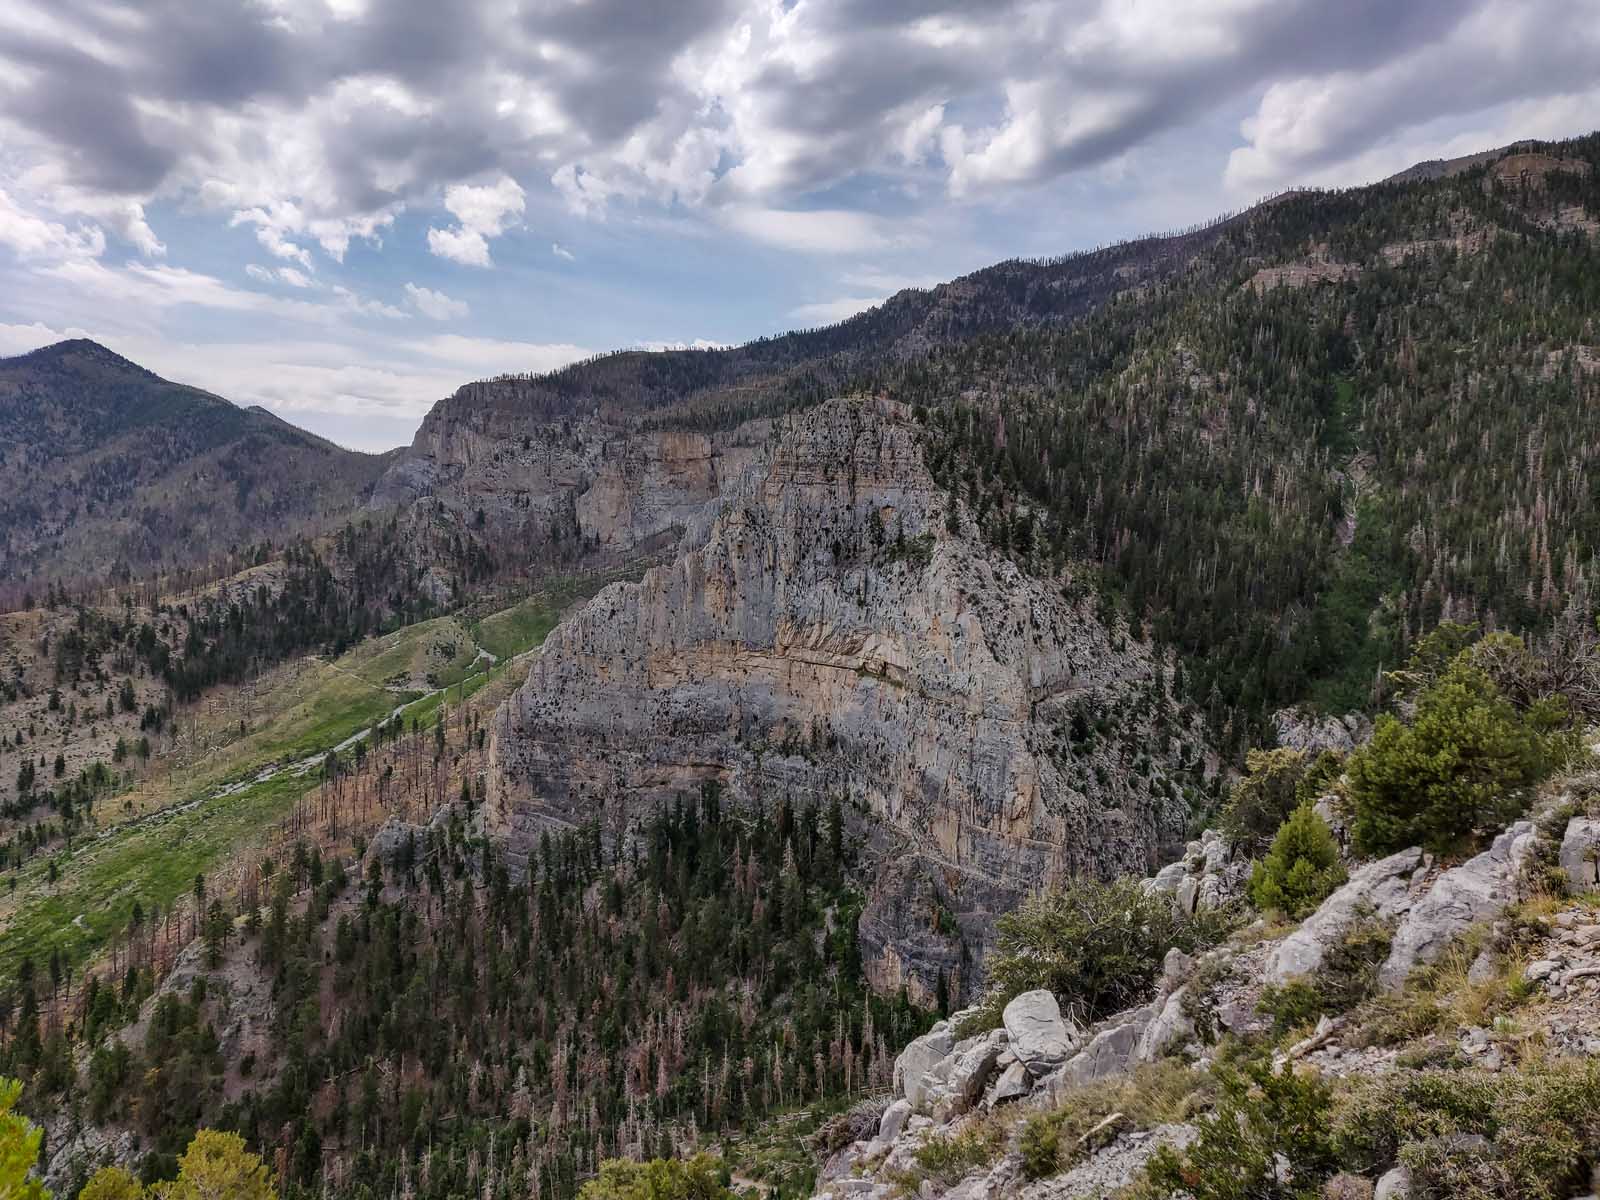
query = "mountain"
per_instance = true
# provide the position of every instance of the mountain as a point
(109, 470)
(982, 599)
(1287, 441)
(840, 630)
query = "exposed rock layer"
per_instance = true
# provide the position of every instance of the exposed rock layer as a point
(830, 636)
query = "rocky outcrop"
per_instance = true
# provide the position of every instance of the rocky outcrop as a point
(1381, 890)
(1039, 1038)
(827, 634)
(505, 472)
(1580, 853)
(1209, 875)
(1460, 898)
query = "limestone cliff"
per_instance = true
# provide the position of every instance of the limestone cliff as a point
(830, 636)
(589, 472)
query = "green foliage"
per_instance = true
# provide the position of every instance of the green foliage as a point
(1301, 870)
(1264, 1121)
(703, 970)
(1098, 946)
(946, 1158)
(112, 1183)
(702, 1177)
(1263, 797)
(19, 1148)
(1528, 1134)
(1461, 765)
(1347, 977)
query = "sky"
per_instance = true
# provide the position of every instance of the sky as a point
(344, 209)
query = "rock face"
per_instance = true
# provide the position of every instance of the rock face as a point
(1477, 890)
(1040, 1039)
(828, 635)
(1580, 849)
(1379, 890)
(586, 470)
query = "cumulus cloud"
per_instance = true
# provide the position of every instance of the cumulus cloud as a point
(434, 304)
(319, 122)
(31, 237)
(561, 252)
(481, 213)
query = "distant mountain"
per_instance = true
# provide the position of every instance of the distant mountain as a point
(107, 469)
(1284, 442)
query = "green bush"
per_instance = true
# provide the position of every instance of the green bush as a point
(946, 1159)
(1463, 765)
(1097, 946)
(702, 1177)
(1263, 797)
(1540, 1130)
(1301, 870)
(1275, 783)
(1261, 1116)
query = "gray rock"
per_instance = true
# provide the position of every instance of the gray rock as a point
(1541, 968)
(1014, 1083)
(1188, 894)
(1039, 1037)
(1380, 888)
(1175, 968)
(917, 1059)
(1484, 968)
(894, 1120)
(1395, 1184)
(1109, 1052)
(971, 1067)
(1478, 890)
(1165, 880)
(1579, 847)
(1170, 1029)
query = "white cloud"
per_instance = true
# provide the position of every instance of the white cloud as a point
(831, 312)
(481, 213)
(31, 237)
(561, 252)
(816, 231)
(434, 304)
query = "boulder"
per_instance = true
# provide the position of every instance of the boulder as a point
(1395, 1184)
(970, 1068)
(1478, 890)
(1380, 889)
(1166, 880)
(1579, 847)
(1014, 1083)
(1040, 1039)
(1109, 1052)
(1170, 1028)
(917, 1059)
(894, 1120)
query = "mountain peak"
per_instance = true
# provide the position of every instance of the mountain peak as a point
(82, 350)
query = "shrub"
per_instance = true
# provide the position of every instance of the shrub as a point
(19, 1148)
(1540, 1130)
(1260, 801)
(946, 1159)
(1291, 1005)
(1301, 870)
(1098, 946)
(702, 1177)
(1462, 765)
(1264, 1121)
(1153, 1094)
